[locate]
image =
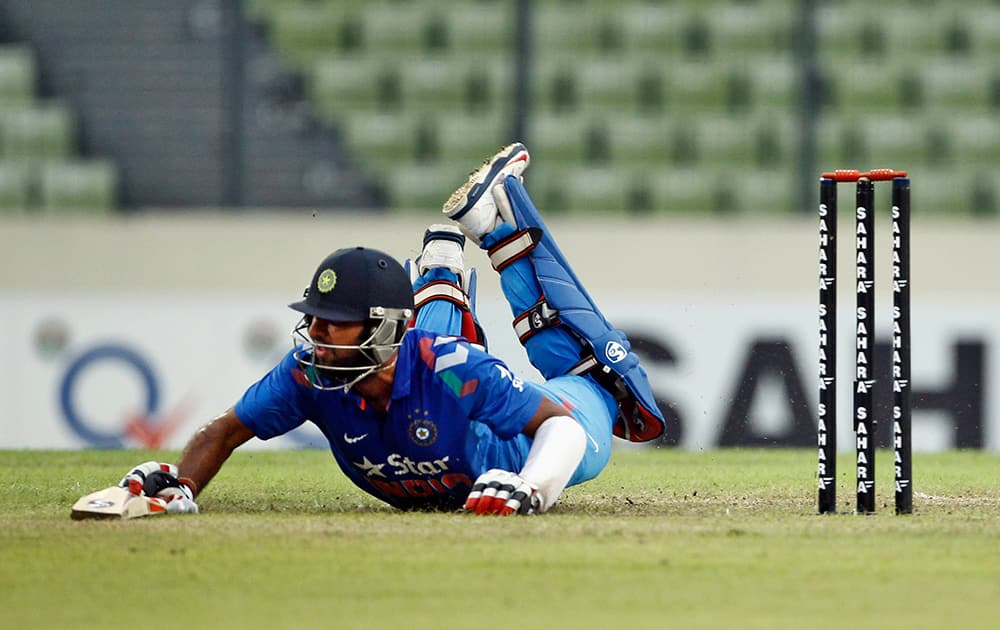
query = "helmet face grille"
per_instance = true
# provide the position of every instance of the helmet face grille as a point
(375, 352)
(356, 284)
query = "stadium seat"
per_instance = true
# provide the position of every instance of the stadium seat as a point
(584, 26)
(340, 84)
(395, 28)
(724, 191)
(956, 84)
(739, 30)
(303, 32)
(642, 140)
(431, 83)
(757, 141)
(873, 141)
(379, 139)
(976, 140)
(595, 83)
(85, 186)
(652, 29)
(17, 75)
(874, 86)
(580, 189)
(984, 29)
(384, 140)
(38, 132)
(683, 190)
(474, 136)
(852, 31)
(759, 191)
(696, 86)
(481, 27)
(954, 192)
(15, 188)
(558, 138)
(422, 187)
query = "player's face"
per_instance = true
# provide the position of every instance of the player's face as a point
(326, 333)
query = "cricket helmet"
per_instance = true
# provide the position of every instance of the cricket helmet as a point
(357, 284)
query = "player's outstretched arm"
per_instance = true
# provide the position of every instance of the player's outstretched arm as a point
(557, 449)
(209, 448)
(175, 487)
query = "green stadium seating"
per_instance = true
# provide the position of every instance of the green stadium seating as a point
(653, 28)
(408, 27)
(584, 26)
(17, 75)
(758, 191)
(78, 186)
(474, 136)
(385, 140)
(875, 86)
(682, 106)
(741, 29)
(381, 138)
(683, 190)
(303, 32)
(479, 27)
(960, 84)
(976, 140)
(960, 192)
(579, 189)
(984, 29)
(39, 132)
(558, 138)
(423, 187)
(587, 84)
(873, 141)
(341, 84)
(15, 188)
(468, 82)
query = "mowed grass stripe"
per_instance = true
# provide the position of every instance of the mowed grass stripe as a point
(663, 538)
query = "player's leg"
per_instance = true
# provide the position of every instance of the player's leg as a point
(553, 350)
(443, 290)
(555, 318)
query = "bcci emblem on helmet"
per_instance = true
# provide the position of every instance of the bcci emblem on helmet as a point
(326, 281)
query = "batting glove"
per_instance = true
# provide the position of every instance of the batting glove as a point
(503, 493)
(155, 479)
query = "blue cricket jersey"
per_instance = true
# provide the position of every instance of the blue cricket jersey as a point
(455, 412)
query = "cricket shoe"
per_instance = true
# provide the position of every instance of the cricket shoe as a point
(442, 248)
(473, 206)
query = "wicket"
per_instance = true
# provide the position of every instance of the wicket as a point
(864, 420)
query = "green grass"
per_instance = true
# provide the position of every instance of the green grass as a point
(664, 539)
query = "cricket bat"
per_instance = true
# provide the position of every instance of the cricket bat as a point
(116, 502)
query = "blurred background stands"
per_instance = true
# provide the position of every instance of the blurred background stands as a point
(41, 169)
(682, 106)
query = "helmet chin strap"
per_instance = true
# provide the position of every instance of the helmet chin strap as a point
(379, 348)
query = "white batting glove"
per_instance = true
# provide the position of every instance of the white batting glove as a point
(155, 479)
(502, 493)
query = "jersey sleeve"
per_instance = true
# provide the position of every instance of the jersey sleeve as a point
(276, 403)
(485, 388)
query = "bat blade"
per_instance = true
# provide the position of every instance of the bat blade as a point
(115, 503)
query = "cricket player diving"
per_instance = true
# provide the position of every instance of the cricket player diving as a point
(390, 363)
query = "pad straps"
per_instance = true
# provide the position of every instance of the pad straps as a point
(516, 246)
(441, 290)
(537, 318)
